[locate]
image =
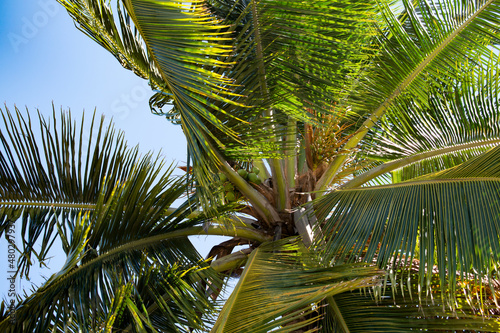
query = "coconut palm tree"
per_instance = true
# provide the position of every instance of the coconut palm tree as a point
(129, 264)
(320, 134)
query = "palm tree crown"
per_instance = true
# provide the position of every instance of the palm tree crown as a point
(350, 146)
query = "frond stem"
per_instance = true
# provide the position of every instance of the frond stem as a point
(426, 181)
(390, 166)
(231, 261)
(213, 230)
(278, 174)
(340, 319)
(259, 202)
(291, 158)
(47, 204)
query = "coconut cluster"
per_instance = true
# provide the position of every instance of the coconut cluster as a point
(230, 192)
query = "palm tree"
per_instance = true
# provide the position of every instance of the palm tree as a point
(385, 113)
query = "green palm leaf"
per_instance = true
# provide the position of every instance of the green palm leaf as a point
(397, 307)
(459, 122)
(288, 54)
(51, 179)
(427, 44)
(116, 245)
(182, 40)
(449, 219)
(280, 282)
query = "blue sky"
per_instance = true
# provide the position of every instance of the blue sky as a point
(44, 59)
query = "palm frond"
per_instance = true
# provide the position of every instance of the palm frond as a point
(428, 43)
(441, 162)
(290, 53)
(123, 245)
(449, 219)
(280, 283)
(291, 60)
(396, 306)
(460, 121)
(316, 50)
(47, 181)
(182, 39)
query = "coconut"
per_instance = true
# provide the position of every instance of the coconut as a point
(222, 177)
(243, 173)
(230, 196)
(253, 177)
(255, 170)
(228, 187)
